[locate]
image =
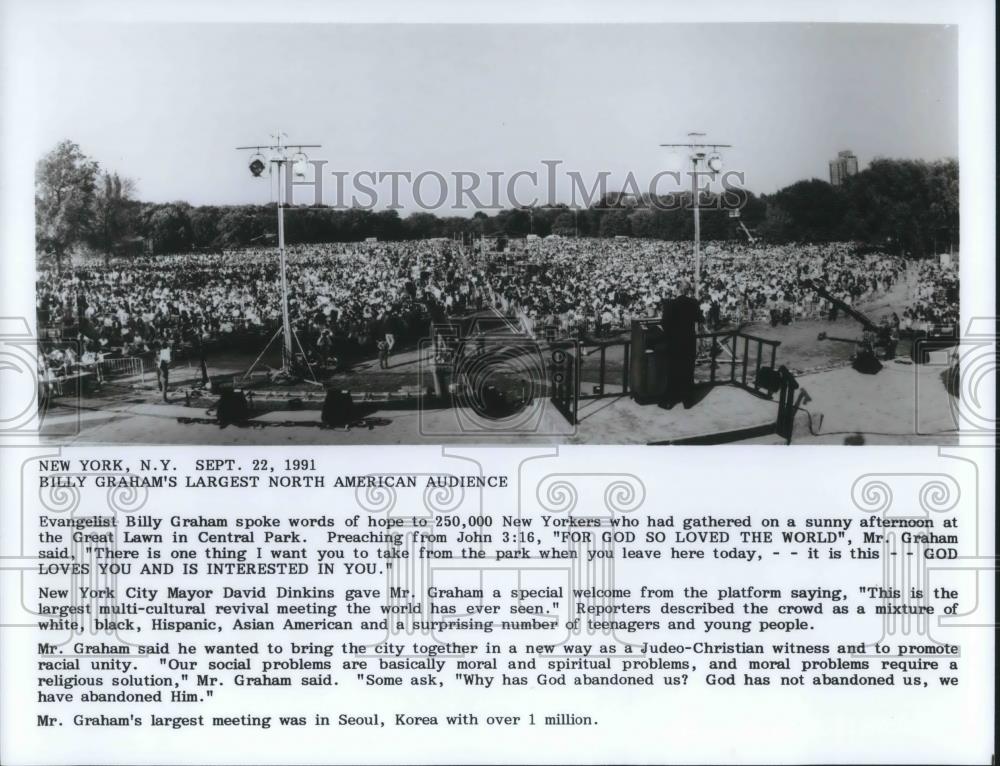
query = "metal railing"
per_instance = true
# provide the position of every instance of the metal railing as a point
(620, 383)
(736, 347)
(564, 381)
(750, 360)
(122, 367)
(745, 355)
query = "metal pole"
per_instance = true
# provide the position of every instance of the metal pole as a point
(697, 229)
(278, 156)
(286, 324)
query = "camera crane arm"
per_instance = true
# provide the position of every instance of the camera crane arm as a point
(864, 319)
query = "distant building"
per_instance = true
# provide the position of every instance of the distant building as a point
(844, 166)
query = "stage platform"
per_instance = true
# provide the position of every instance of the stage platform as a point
(902, 404)
(610, 420)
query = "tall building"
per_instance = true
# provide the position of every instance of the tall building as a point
(844, 166)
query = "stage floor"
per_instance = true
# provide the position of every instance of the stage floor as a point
(902, 404)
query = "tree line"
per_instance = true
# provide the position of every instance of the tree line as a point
(904, 206)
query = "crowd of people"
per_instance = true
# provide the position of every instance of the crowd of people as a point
(603, 284)
(934, 298)
(349, 299)
(339, 296)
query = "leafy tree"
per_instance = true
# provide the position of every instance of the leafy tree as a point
(421, 225)
(565, 224)
(64, 196)
(515, 223)
(811, 211)
(614, 223)
(170, 228)
(777, 225)
(643, 223)
(239, 226)
(112, 212)
(942, 196)
(388, 225)
(205, 226)
(907, 205)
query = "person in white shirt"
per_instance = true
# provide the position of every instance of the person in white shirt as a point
(163, 359)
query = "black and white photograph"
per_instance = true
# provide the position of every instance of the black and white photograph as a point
(338, 340)
(546, 233)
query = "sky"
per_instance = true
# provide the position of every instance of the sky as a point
(166, 104)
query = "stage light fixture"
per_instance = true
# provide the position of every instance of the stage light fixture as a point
(257, 165)
(299, 163)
